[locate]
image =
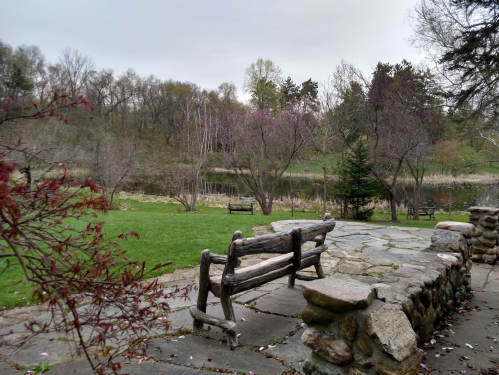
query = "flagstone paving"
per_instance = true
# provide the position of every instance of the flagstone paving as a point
(270, 332)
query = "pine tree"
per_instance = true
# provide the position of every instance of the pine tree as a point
(357, 186)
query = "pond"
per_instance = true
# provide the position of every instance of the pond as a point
(459, 195)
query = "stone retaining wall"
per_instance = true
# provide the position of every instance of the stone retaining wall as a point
(485, 238)
(372, 325)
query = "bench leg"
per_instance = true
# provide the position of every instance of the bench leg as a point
(318, 269)
(229, 314)
(204, 286)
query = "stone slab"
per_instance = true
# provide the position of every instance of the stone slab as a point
(285, 301)
(251, 324)
(476, 328)
(479, 275)
(406, 252)
(411, 244)
(391, 234)
(191, 300)
(385, 254)
(392, 331)
(6, 369)
(337, 233)
(250, 296)
(338, 294)
(29, 356)
(349, 245)
(294, 353)
(82, 367)
(466, 229)
(269, 287)
(203, 350)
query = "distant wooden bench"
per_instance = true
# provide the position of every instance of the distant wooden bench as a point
(234, 281)
(240, 207)
(423, 211)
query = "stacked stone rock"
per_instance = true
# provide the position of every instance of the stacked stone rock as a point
(371, 326)
(485, 220)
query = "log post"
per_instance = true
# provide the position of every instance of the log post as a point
(204, 286)
(296, 244)
(318, 265)
(226, 290)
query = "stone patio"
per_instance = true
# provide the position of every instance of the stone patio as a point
(267, 316)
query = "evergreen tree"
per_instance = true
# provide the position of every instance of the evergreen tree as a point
(357, 186)
(18, 83)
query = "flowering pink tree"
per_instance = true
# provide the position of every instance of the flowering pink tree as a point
(263, 146)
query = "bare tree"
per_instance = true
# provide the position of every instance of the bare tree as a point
(75, 71)
(115, 162)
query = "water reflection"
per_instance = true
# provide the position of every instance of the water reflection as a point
(457, 196)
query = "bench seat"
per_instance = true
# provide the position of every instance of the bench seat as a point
(282, 266)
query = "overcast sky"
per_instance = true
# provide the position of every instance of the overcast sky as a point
(213, 41)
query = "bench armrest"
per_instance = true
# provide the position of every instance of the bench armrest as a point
(221, 259)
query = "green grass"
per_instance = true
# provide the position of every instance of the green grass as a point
(167, 233)
(424, 222)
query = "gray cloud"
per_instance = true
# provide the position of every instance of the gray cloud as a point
(210, 42)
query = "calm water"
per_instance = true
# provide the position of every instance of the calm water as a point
(460, 196)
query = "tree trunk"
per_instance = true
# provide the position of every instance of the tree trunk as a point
(324, 194)
(417, 201)
(393, 205)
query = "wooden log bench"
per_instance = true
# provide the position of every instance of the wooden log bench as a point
(240, 207)
(423, 211)
(234, 281)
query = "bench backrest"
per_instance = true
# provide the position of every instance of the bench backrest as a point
(277, 243)
(281, 242)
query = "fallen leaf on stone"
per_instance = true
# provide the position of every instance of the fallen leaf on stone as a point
(469, 346)
(425, 367)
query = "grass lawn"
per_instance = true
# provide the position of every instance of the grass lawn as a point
(167, 233)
